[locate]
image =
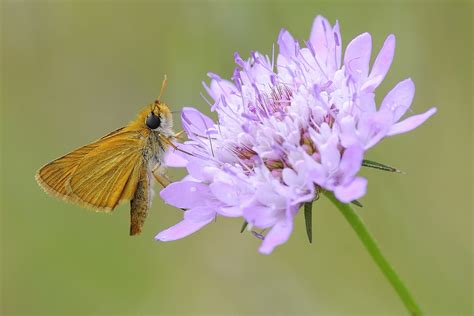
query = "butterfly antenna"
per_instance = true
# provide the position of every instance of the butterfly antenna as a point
(167, 141)
(164, 84)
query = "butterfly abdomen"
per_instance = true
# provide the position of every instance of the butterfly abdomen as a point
(140, 203)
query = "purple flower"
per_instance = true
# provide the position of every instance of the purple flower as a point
(287, 128)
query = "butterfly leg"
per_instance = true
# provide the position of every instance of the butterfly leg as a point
(160, 178)
(179, 135)
(167, 141)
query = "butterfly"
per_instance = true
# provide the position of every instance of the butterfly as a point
(117, 167)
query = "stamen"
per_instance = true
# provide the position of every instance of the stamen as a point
(258, 235)
(310, 46)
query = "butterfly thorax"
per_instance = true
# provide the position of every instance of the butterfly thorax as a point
(154, 151)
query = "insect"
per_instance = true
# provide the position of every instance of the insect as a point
(117, 167)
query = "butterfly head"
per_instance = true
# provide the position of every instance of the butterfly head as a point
(158, 117)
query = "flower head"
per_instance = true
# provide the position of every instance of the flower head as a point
(286, 129)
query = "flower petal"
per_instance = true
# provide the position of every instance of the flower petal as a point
(200, 213)
(174, 159)
(223, 92)
(181, 230)
(352, 191)
(278, 235)
(287, 44)
(351, 161)
(227, 193)
(367, 102)
(268, 196)
(338, 44)
(201, 169)
(373, 127)
(232, 211)
(357, 56)
(186, 194)
(410, 123)
(260, 216)
(290, 177)
(317, 37)
(330, 154)
(381, 64)
(195, 123)
(324, 40)
(347, 131)
(399, 99)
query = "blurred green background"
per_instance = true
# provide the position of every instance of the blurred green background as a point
(73, 71)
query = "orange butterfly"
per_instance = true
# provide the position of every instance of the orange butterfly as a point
(117, 167)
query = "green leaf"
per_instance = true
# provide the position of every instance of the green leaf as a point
(244, 225)
(380, 166)
(308, 209)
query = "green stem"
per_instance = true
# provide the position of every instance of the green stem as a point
(369, 242)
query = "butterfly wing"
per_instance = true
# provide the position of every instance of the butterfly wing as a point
(98, 175)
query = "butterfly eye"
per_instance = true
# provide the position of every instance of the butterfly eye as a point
(153, 121)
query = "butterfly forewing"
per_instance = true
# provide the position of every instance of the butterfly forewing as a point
(54, 176)
(98, 175)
